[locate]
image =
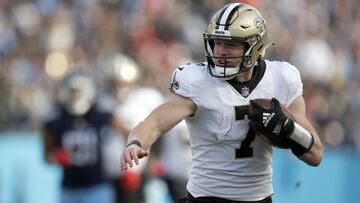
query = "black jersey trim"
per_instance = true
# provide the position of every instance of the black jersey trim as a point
(258, 74)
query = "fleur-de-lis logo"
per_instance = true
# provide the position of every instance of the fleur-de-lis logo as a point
(174, 84)
(260, 23)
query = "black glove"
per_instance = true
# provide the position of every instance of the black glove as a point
(270, 120)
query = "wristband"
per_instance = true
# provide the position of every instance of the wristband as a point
(135, 142)
(302, 139)
(301, 136)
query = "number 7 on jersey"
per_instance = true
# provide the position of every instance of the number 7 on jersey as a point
(245, 150)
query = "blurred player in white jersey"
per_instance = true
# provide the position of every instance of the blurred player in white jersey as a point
(231, 163)
(136, 100)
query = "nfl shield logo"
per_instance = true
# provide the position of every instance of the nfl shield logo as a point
(245, 91)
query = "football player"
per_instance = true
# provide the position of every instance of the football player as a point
(74, 138)
(231, 163)
(172, 151)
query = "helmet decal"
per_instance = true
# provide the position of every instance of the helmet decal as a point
(224, 19)
(260, 23)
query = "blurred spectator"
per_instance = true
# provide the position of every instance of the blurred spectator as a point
(74, 139)
(321, 38)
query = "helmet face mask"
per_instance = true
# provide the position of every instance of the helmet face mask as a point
(236, 22)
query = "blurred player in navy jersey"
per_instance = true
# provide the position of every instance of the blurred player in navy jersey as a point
(230, 164)
(74, 137)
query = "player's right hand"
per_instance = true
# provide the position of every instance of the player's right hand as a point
(130, 154)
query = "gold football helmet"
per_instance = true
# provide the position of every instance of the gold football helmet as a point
(236, 22)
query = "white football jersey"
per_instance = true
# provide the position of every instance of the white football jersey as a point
(229, 161)
(135, 108)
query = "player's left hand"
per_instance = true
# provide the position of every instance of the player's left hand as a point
(268, 120)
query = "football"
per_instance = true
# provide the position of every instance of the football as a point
(270, 138)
